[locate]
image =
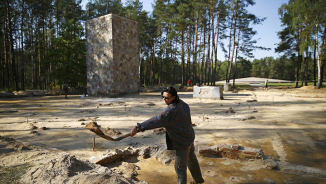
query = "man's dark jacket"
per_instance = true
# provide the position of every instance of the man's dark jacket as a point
(176, 120)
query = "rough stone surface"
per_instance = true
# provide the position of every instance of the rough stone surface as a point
(127, 170)
(115, 155)
(32, 127)
(235, 146)
(251, 153)
(202, 150)
(233, 152)
(112, 56)
(119, 154)
(224, 147)
(166, 157)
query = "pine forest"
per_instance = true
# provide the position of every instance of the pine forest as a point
(42, 42)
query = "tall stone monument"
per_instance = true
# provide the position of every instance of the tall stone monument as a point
(112, 56)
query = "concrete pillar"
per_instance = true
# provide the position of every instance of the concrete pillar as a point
(112, 56)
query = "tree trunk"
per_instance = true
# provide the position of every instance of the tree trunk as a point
(208, 60)
(161, 72)
(229, 63)
(188, 56)
(307, 55)
(22, 50)
(213, 45)
(6, 58)
(319, 72)
(171, 56)
(322, 73)
(153, 71)
(320, 61)
(145, 72)
(2, 72)
(17, 55)
(172, 64)
(164, 77)
(306, 68)
(204, 53)
(32, 57)
(12, 47)
(234, 31)
(43, 55)
(216, 45)
(39, 62)
(235, 66)
(182, 59)
(195, 48)
(299, 59)
(298, 70)
(173, 67)
(315, 64)
(235, 59)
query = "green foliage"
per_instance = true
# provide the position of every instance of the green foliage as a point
(280, 68)
(50, 47)
(303, 21)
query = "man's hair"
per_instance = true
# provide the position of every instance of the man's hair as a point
(173, 92)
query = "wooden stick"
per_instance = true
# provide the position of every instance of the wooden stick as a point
(93, 143)
(92, 126)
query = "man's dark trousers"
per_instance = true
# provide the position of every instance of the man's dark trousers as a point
(187, 158)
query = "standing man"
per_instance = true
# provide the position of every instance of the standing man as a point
(65, 88)
(180, 135)
(189, 82)
(266, 84)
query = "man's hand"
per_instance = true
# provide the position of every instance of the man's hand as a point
(133, 131)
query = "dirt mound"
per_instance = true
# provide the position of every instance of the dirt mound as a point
(13, 145)
(68, 169)
(307, 87)
(311, 89)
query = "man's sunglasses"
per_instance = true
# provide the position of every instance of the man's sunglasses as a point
(165, 98)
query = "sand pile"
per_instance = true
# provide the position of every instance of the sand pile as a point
(68, 169)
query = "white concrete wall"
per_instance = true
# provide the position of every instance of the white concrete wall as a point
(208, 92)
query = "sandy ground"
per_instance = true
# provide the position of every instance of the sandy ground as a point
(289, 127)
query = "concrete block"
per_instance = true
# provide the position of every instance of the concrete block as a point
(208, 92)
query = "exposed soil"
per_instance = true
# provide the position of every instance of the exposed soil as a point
(288, 125)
